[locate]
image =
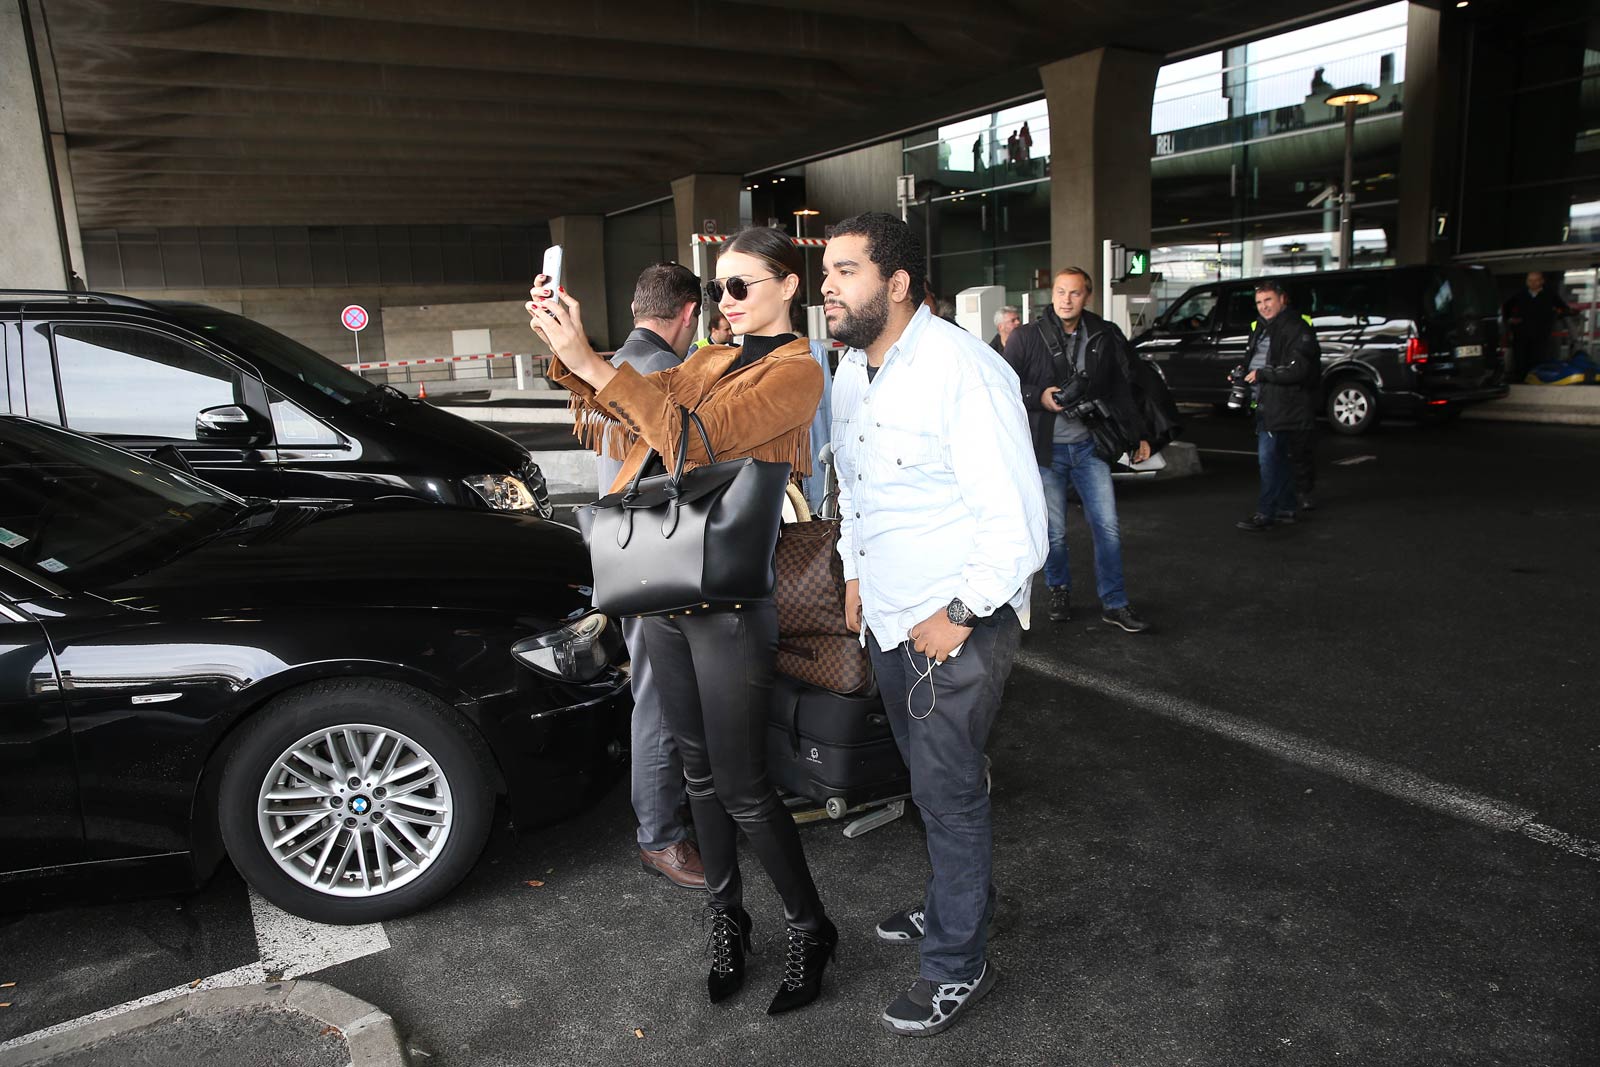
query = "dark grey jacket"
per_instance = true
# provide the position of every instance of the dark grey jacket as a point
(647, 353)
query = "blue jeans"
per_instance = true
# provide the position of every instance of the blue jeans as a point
(941, 724)
(1275, 451)
(1091, 476)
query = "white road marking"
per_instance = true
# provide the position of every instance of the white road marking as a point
(1351, 461)
(1389, 778)
(293, 947)
(290, 947)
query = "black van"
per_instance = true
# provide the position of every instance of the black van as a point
(1413, 341)
(247, 408)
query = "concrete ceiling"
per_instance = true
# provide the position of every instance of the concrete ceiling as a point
(257, 112)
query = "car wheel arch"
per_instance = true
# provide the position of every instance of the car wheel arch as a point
(205, 831)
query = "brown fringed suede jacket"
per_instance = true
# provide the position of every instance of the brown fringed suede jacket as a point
(763, 411)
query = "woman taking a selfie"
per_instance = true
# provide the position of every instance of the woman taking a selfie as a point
(715, 670)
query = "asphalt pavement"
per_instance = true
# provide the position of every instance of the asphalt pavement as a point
(1336, 808)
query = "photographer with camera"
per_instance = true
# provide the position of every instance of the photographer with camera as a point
(1286, 371)
(1076, 387)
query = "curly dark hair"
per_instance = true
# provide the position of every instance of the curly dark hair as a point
(891, 245)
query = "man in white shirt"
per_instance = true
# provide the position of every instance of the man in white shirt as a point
(943, 528)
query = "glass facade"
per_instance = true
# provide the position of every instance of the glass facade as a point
(1531, 174)
(984, 199)
(1241, 143)
(1247, 155)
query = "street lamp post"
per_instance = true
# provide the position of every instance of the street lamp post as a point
(800, 217)
(1349, 98)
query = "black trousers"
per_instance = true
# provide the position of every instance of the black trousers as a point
(714, 675)
(1302, 454)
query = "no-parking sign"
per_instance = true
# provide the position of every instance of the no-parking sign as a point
(354, 318)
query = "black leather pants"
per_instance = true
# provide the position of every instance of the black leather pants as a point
(714, 674)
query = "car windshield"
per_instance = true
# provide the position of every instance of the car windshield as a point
(266, 345)
(82, 514)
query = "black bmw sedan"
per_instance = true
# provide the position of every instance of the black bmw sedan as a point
(332, 696)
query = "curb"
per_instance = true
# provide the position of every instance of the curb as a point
(369, 1033)
(1541, 415)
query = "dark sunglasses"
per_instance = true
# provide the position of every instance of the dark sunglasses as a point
(737, 288)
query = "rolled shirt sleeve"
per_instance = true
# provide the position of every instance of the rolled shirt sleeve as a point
(999, 483)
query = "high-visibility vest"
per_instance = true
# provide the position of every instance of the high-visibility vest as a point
(1307, 319)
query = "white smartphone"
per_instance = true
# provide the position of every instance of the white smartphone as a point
(552, 267)
(954, 652)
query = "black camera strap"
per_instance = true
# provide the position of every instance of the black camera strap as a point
(1055, 339)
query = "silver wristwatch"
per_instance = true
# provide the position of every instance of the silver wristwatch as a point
(959, 614)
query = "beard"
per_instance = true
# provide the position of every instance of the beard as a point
(859, 328)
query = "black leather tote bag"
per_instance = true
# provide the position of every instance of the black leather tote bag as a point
(686, 542)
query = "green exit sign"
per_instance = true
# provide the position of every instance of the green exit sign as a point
(1138, 261)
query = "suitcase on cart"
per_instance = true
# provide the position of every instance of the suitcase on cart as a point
(836, 751)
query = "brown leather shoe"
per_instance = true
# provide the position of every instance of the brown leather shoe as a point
(678, 863)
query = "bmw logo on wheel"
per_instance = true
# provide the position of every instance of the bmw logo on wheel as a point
(360, 805)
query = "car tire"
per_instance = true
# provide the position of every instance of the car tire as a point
(1352, 406)
(404, 800)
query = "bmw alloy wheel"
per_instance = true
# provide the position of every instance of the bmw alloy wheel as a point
(355, 810)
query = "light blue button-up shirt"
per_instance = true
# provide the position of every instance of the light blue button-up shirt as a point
(939, 491)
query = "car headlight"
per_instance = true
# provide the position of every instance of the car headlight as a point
(581, 651)
(503, 492)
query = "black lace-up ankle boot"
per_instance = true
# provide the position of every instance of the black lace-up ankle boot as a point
(803, 962)
(728, 942)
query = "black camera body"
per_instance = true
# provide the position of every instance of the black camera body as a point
(1073, 396)
(1239, 392)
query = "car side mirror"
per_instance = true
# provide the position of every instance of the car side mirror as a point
(228, 424)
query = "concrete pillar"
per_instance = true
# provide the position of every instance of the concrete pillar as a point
(33, 253)
(583, 249)
(1099, 105)
(697, 198)
(1429, 138)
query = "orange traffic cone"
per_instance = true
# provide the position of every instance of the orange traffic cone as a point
(422, 393)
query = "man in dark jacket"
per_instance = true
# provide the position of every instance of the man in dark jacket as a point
(1006, 320)
(1286, 370)
(1075, 355)
(1530, 317)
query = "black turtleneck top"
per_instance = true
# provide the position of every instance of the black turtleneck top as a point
(754, 348)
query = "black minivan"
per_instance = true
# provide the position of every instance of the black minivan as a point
(1417, 341)
(245, 407)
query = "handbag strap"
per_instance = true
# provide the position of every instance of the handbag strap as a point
(682, 456)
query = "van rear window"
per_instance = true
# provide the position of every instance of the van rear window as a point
(1459, 293)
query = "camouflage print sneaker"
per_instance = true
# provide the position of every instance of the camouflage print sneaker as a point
(928, 1008)
(903, 927)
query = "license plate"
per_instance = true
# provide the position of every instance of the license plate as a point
(1468, 351)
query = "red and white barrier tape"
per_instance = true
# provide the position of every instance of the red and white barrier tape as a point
(437, 359)
(723, 238)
